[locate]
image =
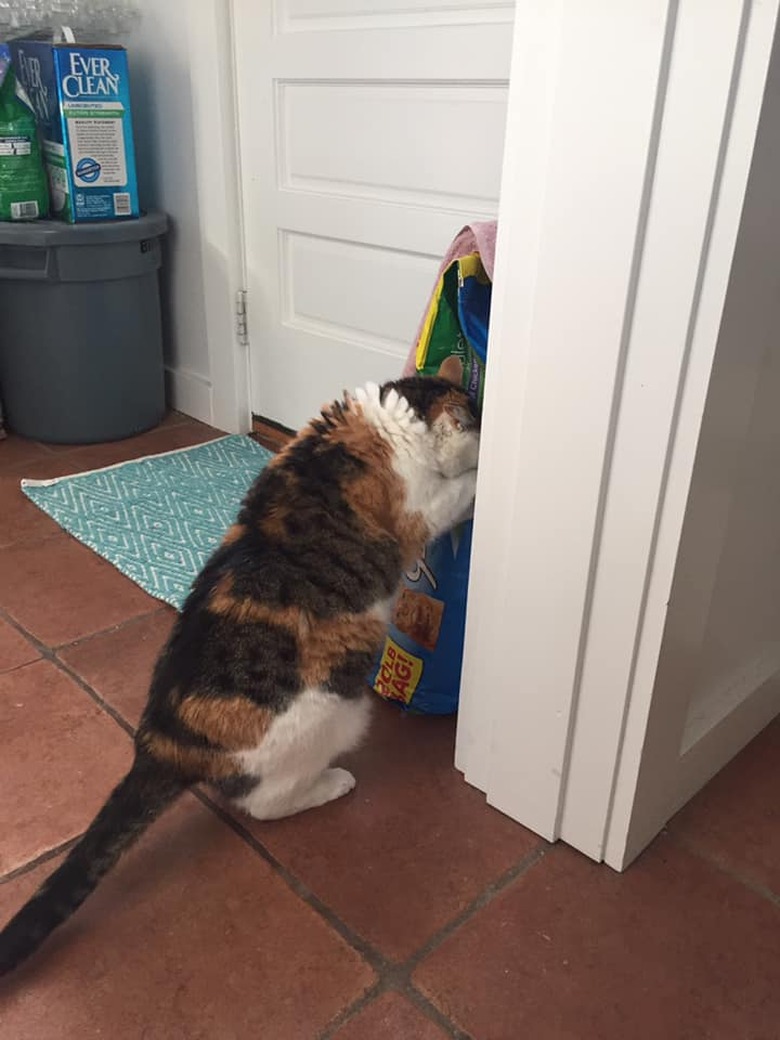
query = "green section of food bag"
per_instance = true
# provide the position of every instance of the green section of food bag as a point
(24, 193)
(460, 305)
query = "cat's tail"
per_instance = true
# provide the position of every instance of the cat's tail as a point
(135, 803)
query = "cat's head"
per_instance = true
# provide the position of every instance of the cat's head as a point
(449, 415)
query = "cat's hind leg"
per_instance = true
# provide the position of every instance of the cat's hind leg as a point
(292, 765)
(272, 800)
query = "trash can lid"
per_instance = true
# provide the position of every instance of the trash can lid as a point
(49, 233)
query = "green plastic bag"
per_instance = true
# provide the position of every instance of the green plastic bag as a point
(24, 191)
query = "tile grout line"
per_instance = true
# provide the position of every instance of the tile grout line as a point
(377, 962)
(38, 643)
(392, 982)
(398, 977)
(391, 976)
(429, 1010)
(435, 1014)
(47, 654)
(723, 868)
(352, 1010)
(485, 897)
(109, 709)
(119, 627)
(37, 861)
(18, 667)
(372, 956)
(50, 655)
(375, 959)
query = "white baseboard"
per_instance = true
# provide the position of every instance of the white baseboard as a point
(709, 709)
(189, 392)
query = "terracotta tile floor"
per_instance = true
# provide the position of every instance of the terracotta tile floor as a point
(408, 911)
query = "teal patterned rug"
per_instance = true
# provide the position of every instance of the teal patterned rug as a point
(156, 519)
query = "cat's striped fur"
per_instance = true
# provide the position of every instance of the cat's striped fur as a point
(262, 683)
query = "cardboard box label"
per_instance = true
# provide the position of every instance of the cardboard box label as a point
(81, 98)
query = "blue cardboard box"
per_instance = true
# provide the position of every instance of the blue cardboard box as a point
(81, 97)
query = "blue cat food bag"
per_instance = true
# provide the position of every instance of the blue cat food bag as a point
(420, 664)
(421, 661)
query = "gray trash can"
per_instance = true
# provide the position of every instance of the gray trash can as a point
(80, 334)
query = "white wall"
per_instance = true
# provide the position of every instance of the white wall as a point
(181, 78)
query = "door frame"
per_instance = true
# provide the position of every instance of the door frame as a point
(225, 396)
(615, 246)
(582, 396)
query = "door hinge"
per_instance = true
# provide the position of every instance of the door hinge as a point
(242, 331)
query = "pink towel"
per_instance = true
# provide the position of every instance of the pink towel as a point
(479, 237)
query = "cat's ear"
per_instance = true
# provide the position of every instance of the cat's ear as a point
(461, 417)
(451, 369)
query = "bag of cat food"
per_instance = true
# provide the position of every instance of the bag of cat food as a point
(456, 325)
(421, 661)
(24, 193)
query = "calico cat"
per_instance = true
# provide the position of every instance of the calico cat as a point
(263, 681)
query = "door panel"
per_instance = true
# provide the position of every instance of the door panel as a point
(368, 139)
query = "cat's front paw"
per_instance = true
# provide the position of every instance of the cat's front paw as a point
(469, 482)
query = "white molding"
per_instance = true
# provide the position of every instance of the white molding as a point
(572, 210)
(618, 221)
(219, 191)
(684, 193)
(190, 393)
(656, 711)
(715, 703)
(699, 764)
(387, 15)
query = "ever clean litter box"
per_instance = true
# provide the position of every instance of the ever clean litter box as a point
(81, 97)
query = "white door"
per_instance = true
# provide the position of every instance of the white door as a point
(623, 632)
(370, 134)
